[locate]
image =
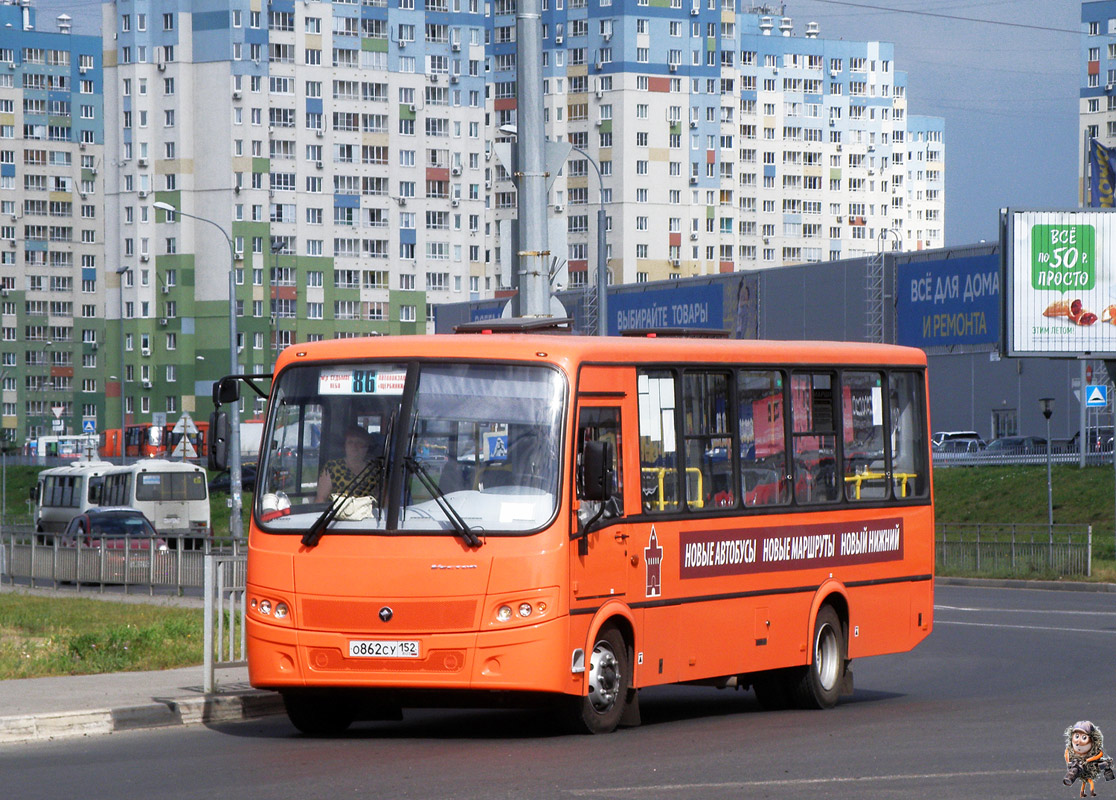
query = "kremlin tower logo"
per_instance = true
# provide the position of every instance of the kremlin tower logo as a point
(653, 559)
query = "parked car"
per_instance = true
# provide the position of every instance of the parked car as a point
(114, 528)
(1099, 440)
(1017, 445)
(959, 446)
(223, 482)
(936, 439)
(114, 544)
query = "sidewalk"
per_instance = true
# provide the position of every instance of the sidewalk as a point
(38, 709)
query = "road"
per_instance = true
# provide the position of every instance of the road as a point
(976, 710)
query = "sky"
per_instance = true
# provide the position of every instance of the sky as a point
(1008, 92)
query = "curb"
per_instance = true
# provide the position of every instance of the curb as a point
(162, 713)
(1017, 583)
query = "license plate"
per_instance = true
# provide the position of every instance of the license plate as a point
(372, 648)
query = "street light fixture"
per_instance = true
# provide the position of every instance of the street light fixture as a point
(120, 272)
(602, 236)
(235, 485)
(1047, 406)
(276, 249)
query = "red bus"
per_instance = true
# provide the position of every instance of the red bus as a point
(146, 440)
(568, 520)
(143, 440)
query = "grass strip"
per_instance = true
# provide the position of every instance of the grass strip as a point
(44, 636)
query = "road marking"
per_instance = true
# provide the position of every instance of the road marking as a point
(1028, 611)
(614, 790)
(1057, 628)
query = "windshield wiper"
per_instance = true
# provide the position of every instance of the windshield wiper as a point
(311, 537)
(455, 519)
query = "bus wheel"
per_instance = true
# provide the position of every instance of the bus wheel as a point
(317, 714)
(610, 682)
(821, 682)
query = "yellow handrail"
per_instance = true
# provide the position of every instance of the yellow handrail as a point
(660, 473)
(868, 475)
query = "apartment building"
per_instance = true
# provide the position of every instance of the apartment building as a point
(338, 146)
(726, 142)
(1097, 92)
(51, 227)
(341, 158)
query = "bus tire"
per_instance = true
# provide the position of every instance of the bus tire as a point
(610, 685)
(317, 714)
(820, 683)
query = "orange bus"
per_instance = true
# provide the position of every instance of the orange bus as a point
(199, 439)
(142, 440)
(568, 520)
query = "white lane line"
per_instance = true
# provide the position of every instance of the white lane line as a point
(668, 787)
(1056, 628)
(1029, 611)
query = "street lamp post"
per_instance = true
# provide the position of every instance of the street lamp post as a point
(123, 412)
(602, 234)
(602, 255)
(4, 465)
(1047, 406)
(273, 312)
(235, 485)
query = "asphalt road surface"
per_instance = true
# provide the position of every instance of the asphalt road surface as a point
(978, 710)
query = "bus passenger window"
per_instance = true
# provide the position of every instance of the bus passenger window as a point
(709, 469)
(602, 425)
(865, 469)
(762, 439)
(658, 452)
(815, 441)
(909, 470)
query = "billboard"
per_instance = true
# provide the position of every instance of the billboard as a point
(676, 306)
(949, 302)
(1060, 283)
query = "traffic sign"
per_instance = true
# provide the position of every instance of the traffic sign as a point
(184, 449)
(185, 425)
(1096, 395)
(89, 426)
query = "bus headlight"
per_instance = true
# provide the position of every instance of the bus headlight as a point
(273, 609)
(523, 608)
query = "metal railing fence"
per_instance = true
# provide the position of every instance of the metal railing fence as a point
(42, 559)
(985, 458)
(225, 641)
(1014, 550)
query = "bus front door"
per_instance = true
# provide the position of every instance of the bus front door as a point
(600, 554)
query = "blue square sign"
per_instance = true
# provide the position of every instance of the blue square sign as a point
(1096, 395)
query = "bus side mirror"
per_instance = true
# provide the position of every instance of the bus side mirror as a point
(34, 493)
(218, 454)
(226, 390)
(596, 471)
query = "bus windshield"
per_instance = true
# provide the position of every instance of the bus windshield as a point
(424, 447)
